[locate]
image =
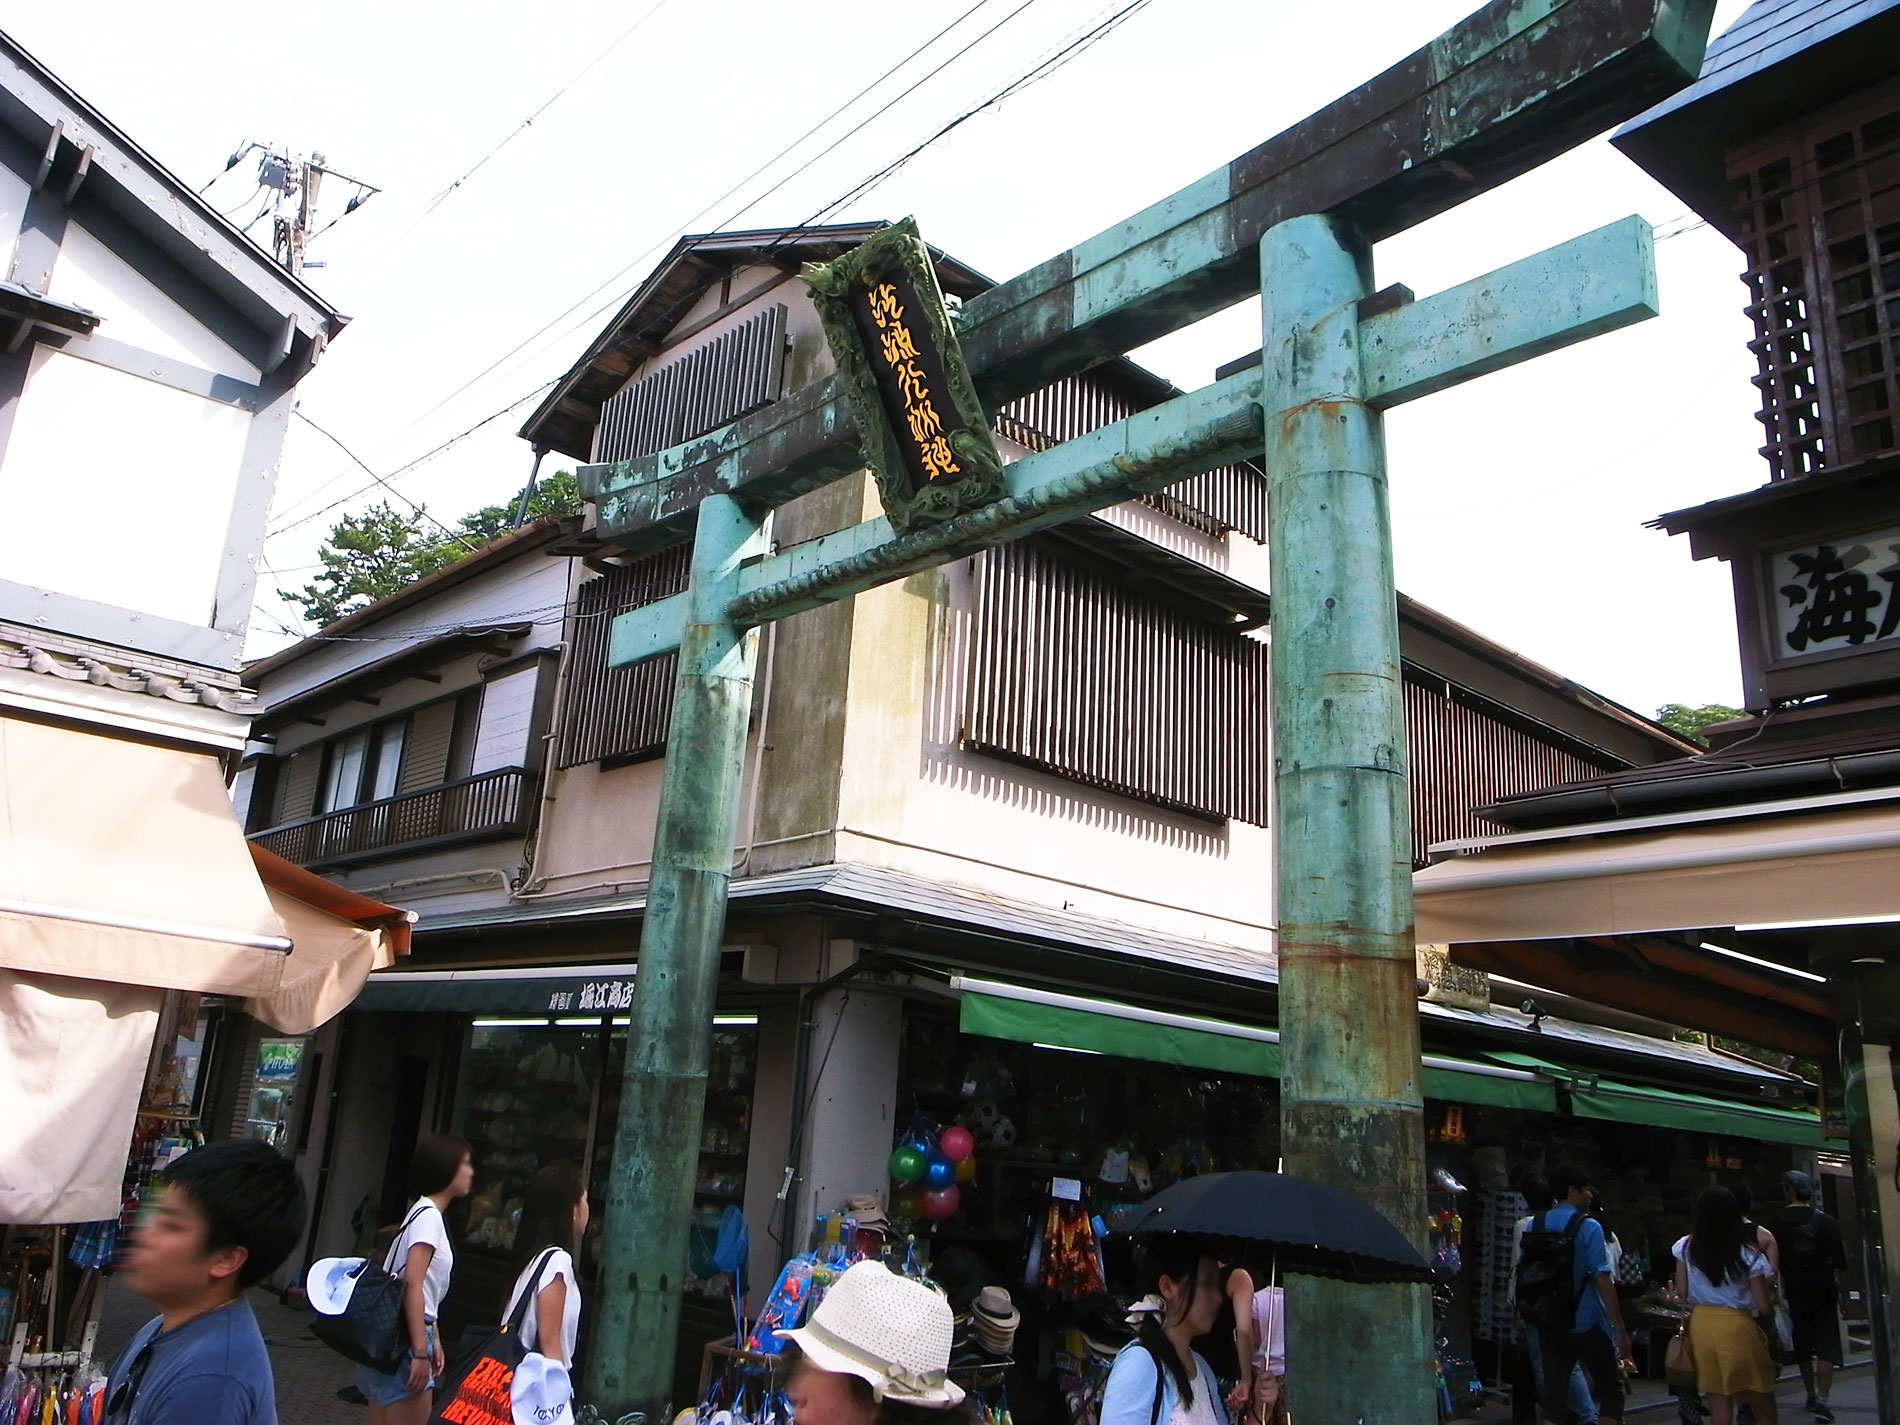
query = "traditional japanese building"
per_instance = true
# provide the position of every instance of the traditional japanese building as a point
(1756, 887)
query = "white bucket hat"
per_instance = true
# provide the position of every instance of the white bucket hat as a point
(886, 1330)
(329, 1282)
(542, 1392)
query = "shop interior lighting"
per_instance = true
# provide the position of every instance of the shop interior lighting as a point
(1066, 1049)
(1820, 924)
(1762, 964)
(734, 1021)
(517, 1023)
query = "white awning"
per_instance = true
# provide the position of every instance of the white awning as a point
(72, 1066)
(1760, 871)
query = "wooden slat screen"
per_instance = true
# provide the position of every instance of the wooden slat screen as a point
(425, 750)
(299, 783)
(1462, 754)
(619, 714)
(735, 373)
(1231, 497)
(1071, 673)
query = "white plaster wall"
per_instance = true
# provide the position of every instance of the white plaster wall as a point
(852, 1058)
(135, 310)
(912, 800)
(143, 474)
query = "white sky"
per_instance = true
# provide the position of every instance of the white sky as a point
(1518, 499)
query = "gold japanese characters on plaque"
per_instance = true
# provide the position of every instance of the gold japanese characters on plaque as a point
(920, 426)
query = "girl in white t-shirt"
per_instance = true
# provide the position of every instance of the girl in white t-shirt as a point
(1724, 1278)
(422, 1255)
(553, 1221)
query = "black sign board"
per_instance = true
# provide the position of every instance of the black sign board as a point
(920, 426)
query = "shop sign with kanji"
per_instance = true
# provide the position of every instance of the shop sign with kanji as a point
(1839, 595)
(921, 429)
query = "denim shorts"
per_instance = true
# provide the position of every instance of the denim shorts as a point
(388, 1387)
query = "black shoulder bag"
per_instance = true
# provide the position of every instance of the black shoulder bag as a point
(482, 1392)
(369, 1328)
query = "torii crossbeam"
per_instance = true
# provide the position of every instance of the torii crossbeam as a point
(1508, 88)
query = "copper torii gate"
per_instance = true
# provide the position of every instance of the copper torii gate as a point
(1506, 89)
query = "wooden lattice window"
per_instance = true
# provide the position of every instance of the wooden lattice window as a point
(1231, 497)
(619, 715)
(1072, 673)
(1820, 222)
(1774, 237)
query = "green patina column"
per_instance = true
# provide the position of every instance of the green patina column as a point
(663, 1096)
(1350, 1108)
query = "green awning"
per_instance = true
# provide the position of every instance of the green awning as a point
(1665, 1108)
(1466, 1086)
(524, 990)
(1100, 1027)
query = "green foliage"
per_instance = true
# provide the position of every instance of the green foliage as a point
(1687, 721)
(383, 549)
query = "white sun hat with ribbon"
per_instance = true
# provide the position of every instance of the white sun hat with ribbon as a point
(884, 1329)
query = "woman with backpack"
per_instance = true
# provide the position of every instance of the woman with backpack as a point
(553, 1221)
(1724, 1277)
(1158, 1379)
(441, 1171)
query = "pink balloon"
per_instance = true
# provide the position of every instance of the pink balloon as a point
(956, 1143)
(942, 1202)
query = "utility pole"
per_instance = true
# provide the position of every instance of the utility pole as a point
(296, 182)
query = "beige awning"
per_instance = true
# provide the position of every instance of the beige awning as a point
(1760, 871)
(339, 936)
(122, 861)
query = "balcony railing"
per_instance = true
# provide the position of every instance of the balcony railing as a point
(487, 805)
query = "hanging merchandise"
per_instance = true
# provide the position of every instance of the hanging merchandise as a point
(784, 1308)
(1071, 1259)
(956, 1143)
(939, 1171)
(942, 1202)
(908, 1163)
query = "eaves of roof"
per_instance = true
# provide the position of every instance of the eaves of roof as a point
(137, 189)
(533, 536)
(1781, 59)
(939, 923)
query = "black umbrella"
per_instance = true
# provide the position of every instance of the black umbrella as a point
(1319, 1230)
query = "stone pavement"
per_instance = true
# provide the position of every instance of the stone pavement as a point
(1852, 1399)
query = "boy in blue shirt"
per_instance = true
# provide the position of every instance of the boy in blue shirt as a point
(229, 1215)
(1597, 1339)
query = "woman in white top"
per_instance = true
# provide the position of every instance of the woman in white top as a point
(440, 1172)
(553, 1220)
(1724, 1278)
(1158, 1378)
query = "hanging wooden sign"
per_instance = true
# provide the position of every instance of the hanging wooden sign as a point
(920, 427)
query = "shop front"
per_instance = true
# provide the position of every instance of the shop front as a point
(525, 1062)
(1082, 1108)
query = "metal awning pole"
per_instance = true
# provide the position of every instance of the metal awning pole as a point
(663, 1093)
(1351, 1111)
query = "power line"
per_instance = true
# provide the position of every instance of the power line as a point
(429, 205)
(420, 512)
(541, 334)
(400, 469)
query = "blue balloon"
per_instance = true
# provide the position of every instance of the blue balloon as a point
(939, 1172)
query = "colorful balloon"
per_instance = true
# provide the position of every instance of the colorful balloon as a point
(940, 1203)
(939, 1171)
(908, 1204)
(966, 1170)
(908, 1163)
(956, 1143)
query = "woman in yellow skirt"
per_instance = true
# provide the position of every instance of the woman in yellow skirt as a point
(1725, 1279)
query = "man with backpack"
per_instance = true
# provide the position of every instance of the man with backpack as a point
(1566, 1292)
(1811, 1254)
